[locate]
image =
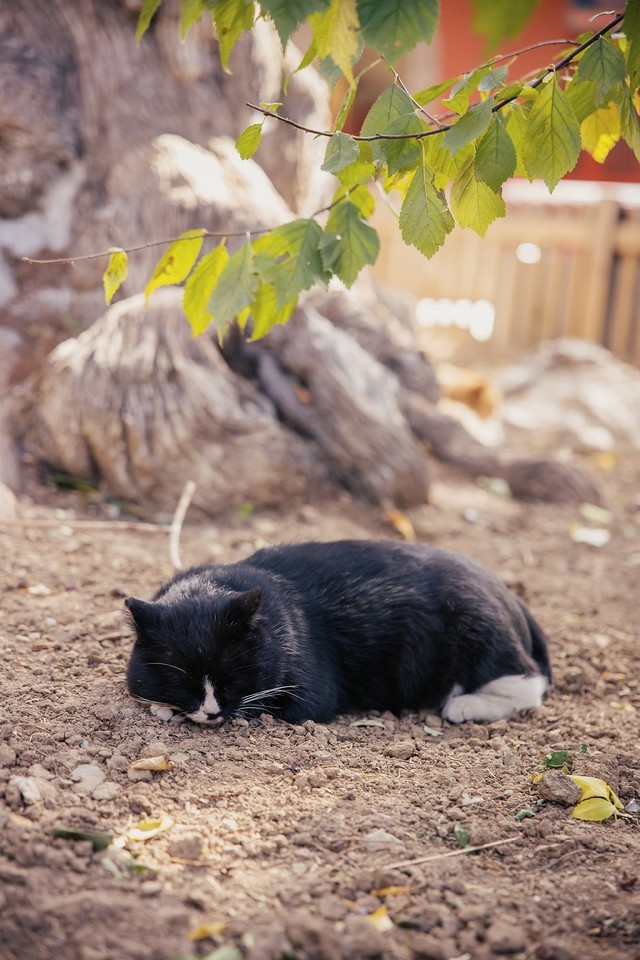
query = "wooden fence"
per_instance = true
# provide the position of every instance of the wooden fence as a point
(582, 278)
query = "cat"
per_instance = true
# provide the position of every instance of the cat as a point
(309, 631)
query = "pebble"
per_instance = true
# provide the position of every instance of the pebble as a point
(380, 839)
(402, 750)
(557, 787)
(106, 791)
(155, 748)
(7, 755)
(136, 775)
(506, 935)
(87, 776)
(187, 847)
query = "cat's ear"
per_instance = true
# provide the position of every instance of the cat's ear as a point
(144, 614)
(243, 607)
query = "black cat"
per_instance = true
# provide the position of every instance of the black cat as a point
(316, 629)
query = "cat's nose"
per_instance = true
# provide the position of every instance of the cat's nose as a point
(213, 715)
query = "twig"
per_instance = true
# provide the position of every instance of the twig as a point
(176, 524)
(449, 853)
(126, 525)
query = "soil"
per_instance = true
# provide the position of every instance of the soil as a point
(284, 841)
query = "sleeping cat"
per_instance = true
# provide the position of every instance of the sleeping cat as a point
(316, 629)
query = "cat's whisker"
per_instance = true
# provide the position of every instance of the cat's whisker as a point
(269, 693)
(160, 663)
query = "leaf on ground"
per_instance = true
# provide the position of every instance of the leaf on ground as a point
(381, 920)
(207, 930)
(402, 523)
(146, 829)
(367, 723)
(115, 274)
(556, 760)
(598, 801)
(176, 262)
(100, 841)
(152, 763)
(461, 835)
(524, 814)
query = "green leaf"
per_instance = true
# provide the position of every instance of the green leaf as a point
(288, 258)
(231, 19)
(115, 274)
(517, 120)
(336, 34)
(461, 834)
(581, 96)
(394, 27)
(629, 127)
(200, 286)
(602, 64)
(149, 7)
(473, 203)
(472, 125)
(495, 155)
(493, 78)
(601, 131)
(288, 14)
(500, 19)
(392, 104)
(342, 150)
(361, 170)
(348, 243)
(265, 312)
(234, 290)
(176, 262)
(360, 197)
(190, 13)
(249, 141)
(632, 33)
(552, 144)
(402, 154)
(347, 103)
(425, 219)
(429, 94)
(556, 760)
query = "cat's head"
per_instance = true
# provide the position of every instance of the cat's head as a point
(197, 658)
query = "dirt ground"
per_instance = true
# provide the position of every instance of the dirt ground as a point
(292, 841)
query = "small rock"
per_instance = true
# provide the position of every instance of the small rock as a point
(7, 755)
(135, 775)
(506, 935)
(150, 888)
(557, 787)
(106, 791)
(28, 788)
(118, 762)
(37, 770)
(402, 750)
(187, 847)
(381, 840)
(88, 776)
(155, 748)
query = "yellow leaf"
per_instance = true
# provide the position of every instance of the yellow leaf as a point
(381, 920)
(152, 763)
(207, 930)
(598, 801)
(601, 131)
(593, 808)
(115, 274)
(402, 524)
(388, 891)
(336, 34)
(176, 262)
(146, 829)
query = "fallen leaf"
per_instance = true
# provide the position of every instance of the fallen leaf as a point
(207, 930)
(146, 829)
(432, 732)
(100, 841)
(595, 514)
(401, 522)
(598, 801)
(367, 723)
(152, 763)
(556, 760)
(524, 814)
(388, 891)
(462, 835)
(381, 920)
(593, 536)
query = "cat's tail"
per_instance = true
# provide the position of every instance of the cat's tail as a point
(539, 643)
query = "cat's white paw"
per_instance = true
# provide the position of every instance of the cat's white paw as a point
(163, 712)
(499, 699)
